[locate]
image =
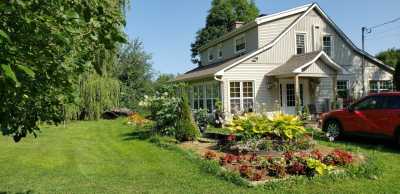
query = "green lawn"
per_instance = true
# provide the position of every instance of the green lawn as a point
(99, 157)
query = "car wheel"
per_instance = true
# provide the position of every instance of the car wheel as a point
(333, 130)
(397, 138)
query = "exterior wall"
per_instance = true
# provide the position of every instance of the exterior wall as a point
(228, 47)
(265, 97)
(320, 68)
(268, 31)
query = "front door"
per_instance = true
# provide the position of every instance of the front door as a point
(288, 96)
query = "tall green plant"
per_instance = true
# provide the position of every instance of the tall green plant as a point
(186, 128)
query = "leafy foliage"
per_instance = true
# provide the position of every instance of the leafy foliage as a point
(45, 47)
(221, 16)
(392, 57)
(133, 69)
(96, 94)
(286, 127)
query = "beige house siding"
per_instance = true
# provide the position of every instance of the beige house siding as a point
(320, 68)
(264, 97)
(228, 47)
(268, 31)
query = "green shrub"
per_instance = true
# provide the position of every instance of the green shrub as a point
(186, 129)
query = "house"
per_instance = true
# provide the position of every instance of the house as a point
(278, 62)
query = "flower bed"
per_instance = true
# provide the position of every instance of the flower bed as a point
(254, 167)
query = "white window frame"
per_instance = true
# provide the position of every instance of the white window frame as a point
(245, 44)
(305, 41)
(203, 88)
(210, 54)
(332, 44)
(241, 98)
(379, 88)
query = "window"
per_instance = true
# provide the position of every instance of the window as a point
(300, 43)
(342, 89)
(241, 96)
(290, 95)
(240, 44)
(204, 96)
(210, 55)
(377, 86)
(327, 44)
(375, 102)
(220, 51)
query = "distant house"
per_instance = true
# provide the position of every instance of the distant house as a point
(297, 57)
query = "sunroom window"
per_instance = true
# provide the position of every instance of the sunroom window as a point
(204, 96)
(241, 96)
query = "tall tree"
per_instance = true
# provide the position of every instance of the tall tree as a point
(45, 46)
(390, 57)
(220, 19)
(134, 70)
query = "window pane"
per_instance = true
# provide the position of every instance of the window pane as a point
(290, 96)
(392, 102)
(373, 86)
(327, 45)
(248, 105)
(235, 106)
(240, 44)
(209, 91)
(342, 89)
(209, 105)
(235, 89)
(300, 43)
(216, 90)
(247, 89)
(201, 92)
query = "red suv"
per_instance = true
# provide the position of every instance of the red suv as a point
(376, 115)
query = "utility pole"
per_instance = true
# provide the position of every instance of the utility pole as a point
(363, 29)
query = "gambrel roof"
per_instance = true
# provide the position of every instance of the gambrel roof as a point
(220, 68)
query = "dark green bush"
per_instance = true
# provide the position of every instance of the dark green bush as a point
(186, 128)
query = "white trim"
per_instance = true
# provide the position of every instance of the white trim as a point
(241, 98)
(234, 43)
(326, 57)
(332, 43)
(305, 41)
(282, 14)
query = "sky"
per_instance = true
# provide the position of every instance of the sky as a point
(168, 27)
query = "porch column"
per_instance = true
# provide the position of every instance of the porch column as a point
(297, 93)
(334, 91)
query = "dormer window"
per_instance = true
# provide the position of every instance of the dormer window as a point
(327, 44)
(210, 55)
(300, 43)
(220, 51)
(240, 44)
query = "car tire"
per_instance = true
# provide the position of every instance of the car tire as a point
(333, 129)
(397, 137)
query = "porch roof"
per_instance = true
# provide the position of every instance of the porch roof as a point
(297, 64)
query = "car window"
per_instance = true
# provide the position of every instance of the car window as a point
(373, 102)
(392, 102)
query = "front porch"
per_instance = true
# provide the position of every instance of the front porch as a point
(299, 83)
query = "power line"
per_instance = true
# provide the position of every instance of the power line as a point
(388, 22)
(382, 32)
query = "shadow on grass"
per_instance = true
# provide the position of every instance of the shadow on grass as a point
(364, 142)
(23, 192)
(137, 135)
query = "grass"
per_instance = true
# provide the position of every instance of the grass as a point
(109, 157)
